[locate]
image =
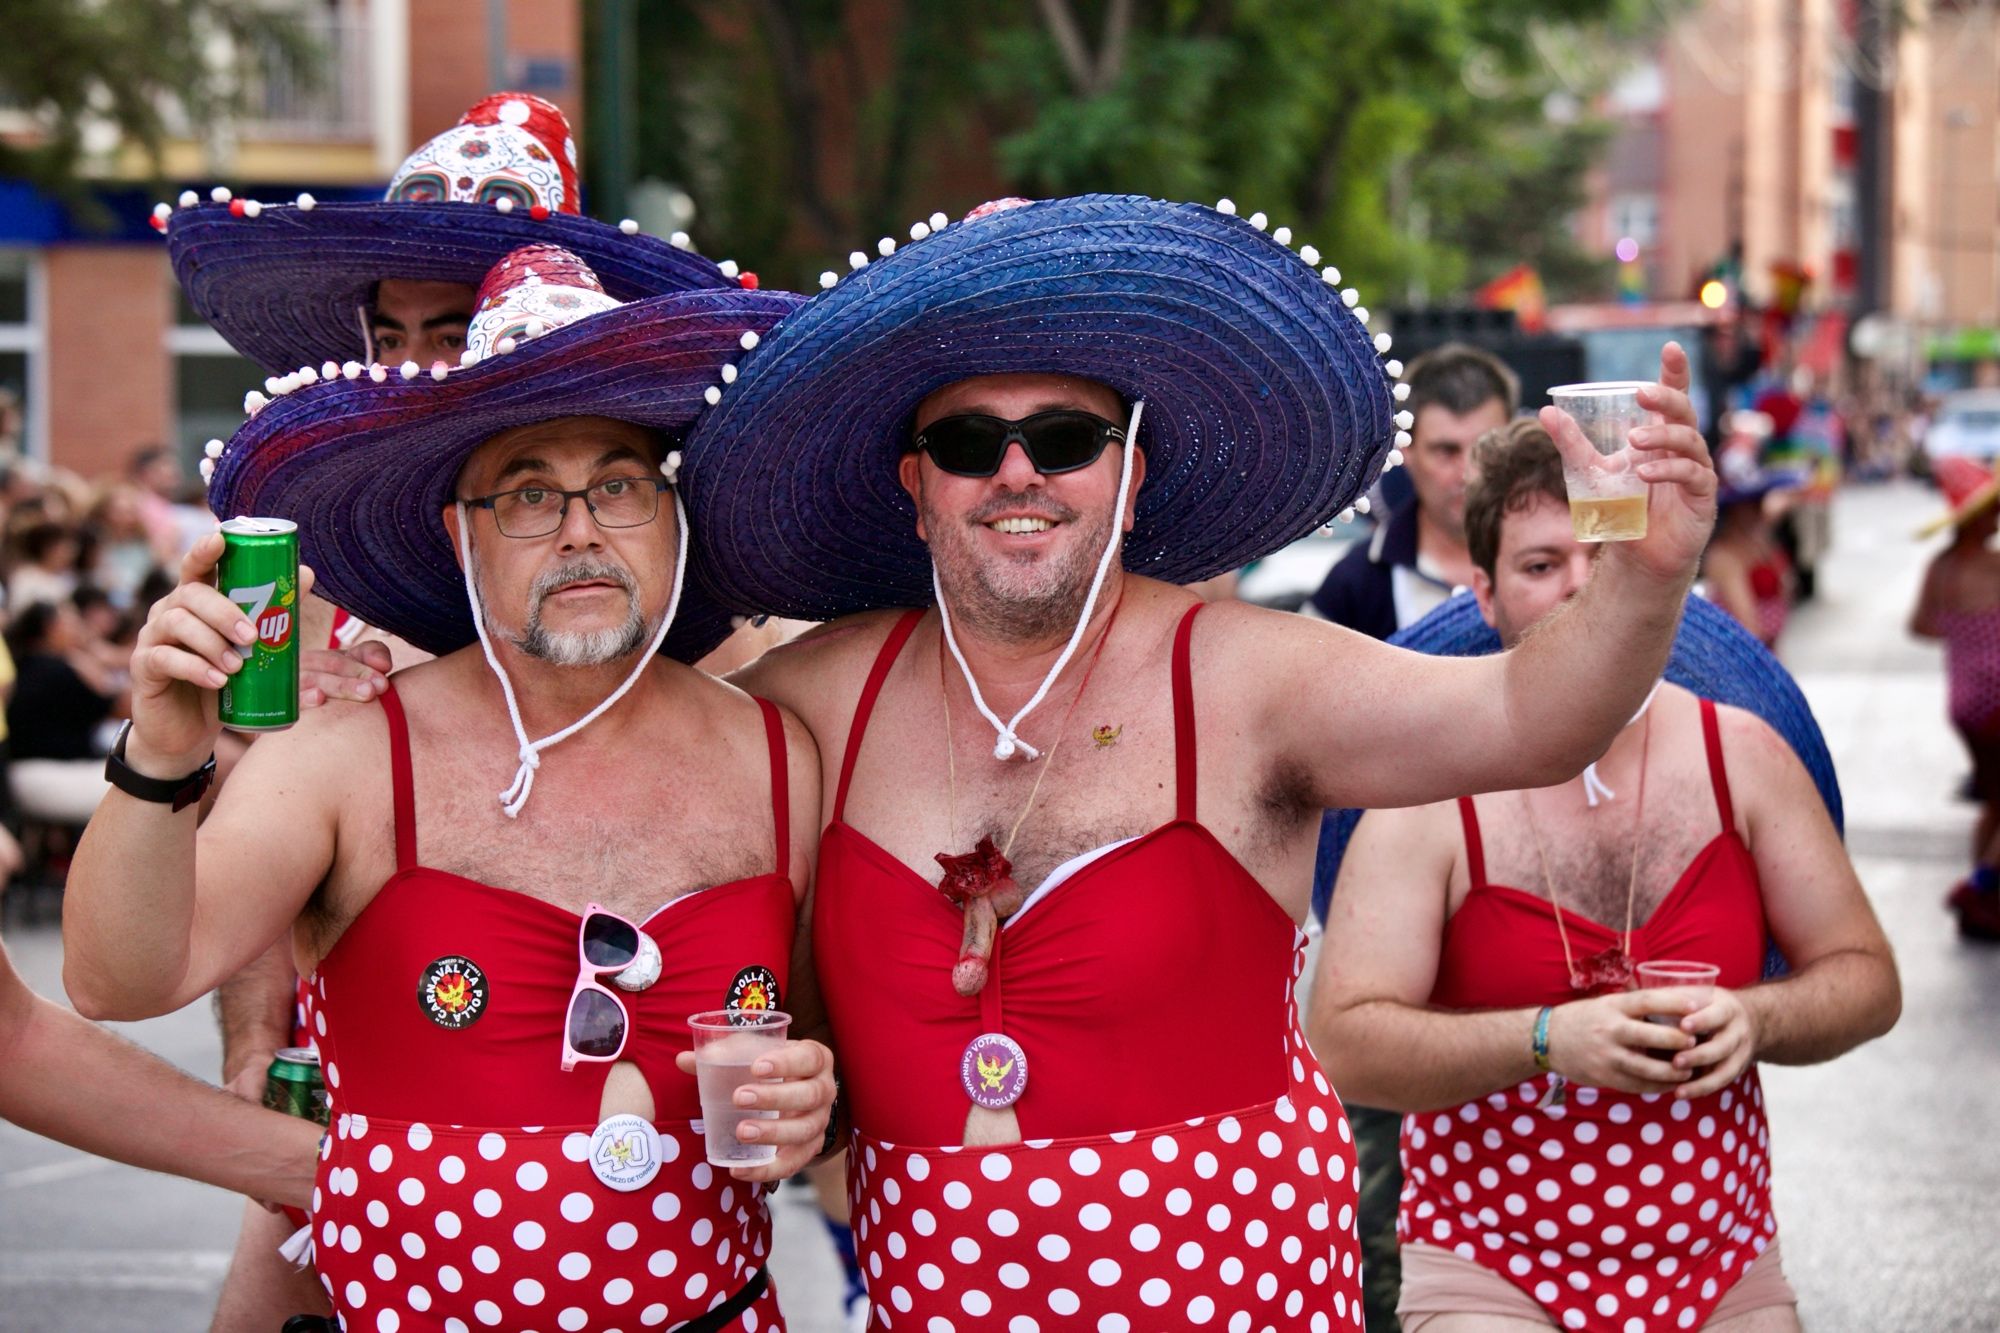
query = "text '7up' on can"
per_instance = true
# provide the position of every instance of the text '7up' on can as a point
(260, 573)
(293, 1084)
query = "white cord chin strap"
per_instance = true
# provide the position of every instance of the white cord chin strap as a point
(516, 795)
(1010, 743)
(1594, 789)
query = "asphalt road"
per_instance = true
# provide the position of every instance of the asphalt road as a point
(1885, 1173)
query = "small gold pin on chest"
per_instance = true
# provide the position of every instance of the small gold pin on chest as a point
(1106, 735)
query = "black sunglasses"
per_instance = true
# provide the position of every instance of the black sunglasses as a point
(1061, 441)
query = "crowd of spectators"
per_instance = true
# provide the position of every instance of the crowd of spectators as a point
(80, 561)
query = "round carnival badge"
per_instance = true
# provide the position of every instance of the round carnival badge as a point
(754, 990)
(642, 971)
(625, 1153)
(994, 1070)
(453, 992)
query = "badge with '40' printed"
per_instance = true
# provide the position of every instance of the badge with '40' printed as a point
(625, 1153)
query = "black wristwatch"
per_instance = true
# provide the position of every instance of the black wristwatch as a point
(177, 792)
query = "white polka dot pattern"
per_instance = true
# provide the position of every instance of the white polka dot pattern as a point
(442, 1227)
(1237, 1221)
(1616, 1213)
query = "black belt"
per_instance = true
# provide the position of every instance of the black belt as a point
(724, 1314)
(712, 1322)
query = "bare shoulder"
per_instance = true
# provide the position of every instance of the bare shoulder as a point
(824, 665)
(722, 696)
(325, 745)
(1766, 776)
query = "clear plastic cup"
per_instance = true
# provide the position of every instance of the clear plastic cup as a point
(1675, 974)
(726, 1043)
(1607, 498)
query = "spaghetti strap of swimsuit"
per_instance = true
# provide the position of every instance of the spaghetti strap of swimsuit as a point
(1184, 766)
(399, 778)
(1718, 773)
(876, 675)
(781, 787)
(1475, 848)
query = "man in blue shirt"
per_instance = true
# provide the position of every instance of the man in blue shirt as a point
(1417, 555)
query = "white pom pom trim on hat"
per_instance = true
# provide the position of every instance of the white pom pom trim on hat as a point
(749, 340)
(410, 370)
(629, 226)
(378, 373)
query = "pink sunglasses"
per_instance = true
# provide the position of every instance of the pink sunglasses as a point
(597, 1025)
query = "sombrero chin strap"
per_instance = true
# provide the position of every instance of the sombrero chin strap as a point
(1010, 744)
(516, 795)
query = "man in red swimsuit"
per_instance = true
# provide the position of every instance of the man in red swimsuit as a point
(500, 988)
(380, 283)
(1567, 1162)
(1101, 1114)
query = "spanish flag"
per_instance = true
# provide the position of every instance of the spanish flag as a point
(1519, 289)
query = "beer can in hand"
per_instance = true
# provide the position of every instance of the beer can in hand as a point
(260, 573)
(293, 1085)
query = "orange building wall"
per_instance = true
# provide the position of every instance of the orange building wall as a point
(109, 376)
(448, 56)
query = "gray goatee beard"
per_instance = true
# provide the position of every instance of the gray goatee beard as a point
(1017, 601)
(580, 648)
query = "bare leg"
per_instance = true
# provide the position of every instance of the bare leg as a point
(1474, 1323)
(263, 1289)
(1986, 836)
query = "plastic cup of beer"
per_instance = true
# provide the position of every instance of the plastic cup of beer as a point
(726, 1043)
(1607, 497)
(1675, 974)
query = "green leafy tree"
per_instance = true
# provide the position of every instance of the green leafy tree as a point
(1409, 140)
(128, 66)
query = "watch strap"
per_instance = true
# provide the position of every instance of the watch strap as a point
(180, 793)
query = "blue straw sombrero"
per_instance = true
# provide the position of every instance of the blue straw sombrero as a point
(1713, 657)
(1268, 409)
(365, 464)
(290, 284)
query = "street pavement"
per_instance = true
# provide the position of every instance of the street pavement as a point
(1884, 1167)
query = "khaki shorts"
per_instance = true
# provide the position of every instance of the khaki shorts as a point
(1437, 1282)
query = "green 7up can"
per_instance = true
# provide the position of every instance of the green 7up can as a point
(260, 573)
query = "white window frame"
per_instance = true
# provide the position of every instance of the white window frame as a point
(31, 339)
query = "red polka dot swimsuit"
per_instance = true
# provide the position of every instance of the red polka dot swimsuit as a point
(1185, 1163)
(1972, 669)
(455, 1191)
(1615, 1212)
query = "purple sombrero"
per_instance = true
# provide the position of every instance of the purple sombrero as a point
(1268, 408)
(286, 284)
(366, 463)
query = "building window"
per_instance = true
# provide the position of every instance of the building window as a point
(23, 402)
(210, 380)
(1636, 216)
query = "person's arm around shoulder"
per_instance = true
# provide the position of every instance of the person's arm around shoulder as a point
(1843, 989)
(1370, 1021)
(59, 1064)
(144, 930)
